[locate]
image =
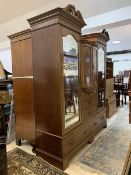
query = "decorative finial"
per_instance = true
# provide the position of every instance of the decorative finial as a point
(72, 11)
(105, 33)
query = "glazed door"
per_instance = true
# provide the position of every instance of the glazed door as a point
(94, 66)
(89, 77)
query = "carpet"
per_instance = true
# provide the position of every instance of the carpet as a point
(22, 163)
(108, 153)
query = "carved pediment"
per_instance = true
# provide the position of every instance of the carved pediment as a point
(72, 11)
(69, 13)
(105, 33)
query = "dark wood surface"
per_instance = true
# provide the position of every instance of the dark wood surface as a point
(47, 81)
(21, 47)
(49, 93)
(24, 108)
(111, 102)
(43, 49)
(52, 138)
(55, 143)
(109, 87)
(89, 104)
(111, 105)
(130, 111)
(109, 68)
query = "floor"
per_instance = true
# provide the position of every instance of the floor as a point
(75, 167)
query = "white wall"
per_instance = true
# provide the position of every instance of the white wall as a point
(108, 20)
(6, 59)
(121, 62)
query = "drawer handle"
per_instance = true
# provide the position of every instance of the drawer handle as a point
(102, 117)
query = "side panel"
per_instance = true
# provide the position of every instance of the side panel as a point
(24, 108)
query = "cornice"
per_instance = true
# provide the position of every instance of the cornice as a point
(99, 36)
(20, 34)
(69, 13)
(84, 40)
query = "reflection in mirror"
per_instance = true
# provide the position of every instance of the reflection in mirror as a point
(70, 67)
(94, 78)
(101, 75)
(87, 66)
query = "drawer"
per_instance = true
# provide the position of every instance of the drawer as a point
(111, 99)
(88, 113)
(75, 138)
(90, 106)
(102, 113)
(112, 105)
(111, 108)
(102, 116)
(95, 123)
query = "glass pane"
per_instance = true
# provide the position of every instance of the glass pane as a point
(94, 65)
(101, 76)
(87, 65)
(70, 67)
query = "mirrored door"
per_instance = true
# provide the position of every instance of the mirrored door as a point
(70, 73)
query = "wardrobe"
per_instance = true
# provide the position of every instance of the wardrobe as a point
(67, 96)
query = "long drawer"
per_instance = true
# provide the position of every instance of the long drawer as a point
(97, 121)
(111, 108)
(83, 132)
(111, 99)
(75, 138)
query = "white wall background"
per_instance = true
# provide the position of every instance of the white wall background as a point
(123, 62)
(6, 59)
